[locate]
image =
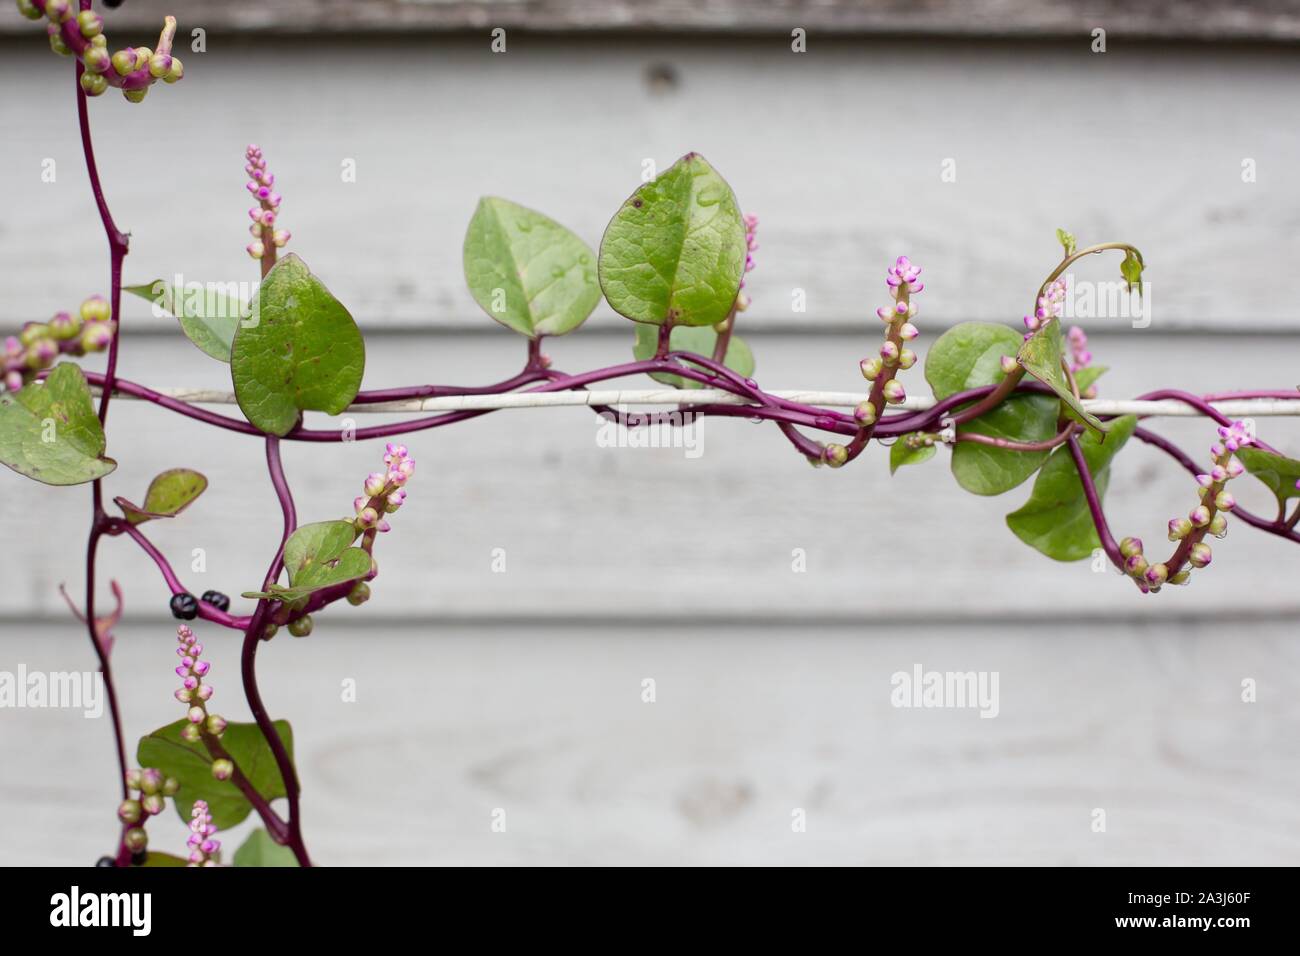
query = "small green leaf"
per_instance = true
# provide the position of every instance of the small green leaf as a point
(675, 251)
(1067, 241)
(969, 355)
(260, 850)
(699, 340)
(191, 765)
(910, 450)
(1087, 377)
(527, 271)
(207, 315)
(49, 431)
(169, 494)
(1131, 269)
(1041, 356)
(1277, 471)
(1056, 519)
(299, 351)
(318, 556)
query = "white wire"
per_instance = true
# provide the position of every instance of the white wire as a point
(1234, 408)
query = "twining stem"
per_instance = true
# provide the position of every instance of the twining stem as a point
(285, 497)
(1108, 543)
(116, 526)
(275, 825)
(992, 400)
(117, 249)
(1276, 527)
(1075, 256)
(723, 341)
(1048, 445)
(253, 637)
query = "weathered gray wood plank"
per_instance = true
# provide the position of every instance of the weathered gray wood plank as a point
(450, 724)
(1145, 145)
(592, 532)
(1269, 20)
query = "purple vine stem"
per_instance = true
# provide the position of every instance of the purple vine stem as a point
(1279, 527)
(117, 250)
(536, 376)
(253, 636)
(1108, 543)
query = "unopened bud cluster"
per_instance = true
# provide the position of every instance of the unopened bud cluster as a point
(261, 183)
(80, 33)
(37, 346)
(903, 280)
(385, 491)
(203, 847)
(149, 788)
(1207, 518)
(194, 692)
(751, 246)
(1048, 307)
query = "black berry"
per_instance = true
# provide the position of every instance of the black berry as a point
(217, 600)
(184, 607)
(105, 861)
(138, 859)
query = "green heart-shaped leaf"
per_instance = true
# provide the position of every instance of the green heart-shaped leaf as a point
(207, 315)
(1041, 356)
(909, 450)
(527, 271)
(169, 494)
(260, 850)
(49, 430)
(1277, 471)
(300, 350)
(318, 556)
(1056, 519)
(969, 355)
(675, 251)
(191, 765)
(699, 340)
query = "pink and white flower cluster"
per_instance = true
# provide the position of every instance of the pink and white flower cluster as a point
(193, 691)
(751, 246)
(385, 491)
(1048, 306)
(265, 213)
(203, 848)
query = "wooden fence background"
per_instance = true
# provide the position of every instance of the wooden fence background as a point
(521, 690)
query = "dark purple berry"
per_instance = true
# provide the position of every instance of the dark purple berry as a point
(105, 861)
(184, 607)
(138, 859)
(217, 600)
